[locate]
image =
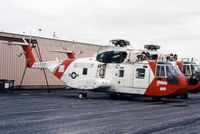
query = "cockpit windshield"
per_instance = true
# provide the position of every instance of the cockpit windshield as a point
(195, 68)
(190, 69)
(167, 70)
(171, 72)
(111, 56)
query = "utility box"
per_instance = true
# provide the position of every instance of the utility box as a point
(6, 85)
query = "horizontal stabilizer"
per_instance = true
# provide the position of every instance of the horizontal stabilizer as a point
(70, 54)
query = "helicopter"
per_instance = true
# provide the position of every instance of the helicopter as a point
(116, 68)
(188, 67)
(192, 72)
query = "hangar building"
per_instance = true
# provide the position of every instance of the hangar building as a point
(12, 65)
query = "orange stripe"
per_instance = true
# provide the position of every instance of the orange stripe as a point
(66, 63)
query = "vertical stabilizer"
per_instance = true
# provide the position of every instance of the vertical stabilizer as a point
(30, 60)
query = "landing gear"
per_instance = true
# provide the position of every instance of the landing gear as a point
(82, 95)
(184, 96)
(114, 95)
(156, 98)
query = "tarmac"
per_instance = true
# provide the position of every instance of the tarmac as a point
(61, 112)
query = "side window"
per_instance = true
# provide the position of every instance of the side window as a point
(121, 73)
(160, 71)
(85, 71)
(140, 73)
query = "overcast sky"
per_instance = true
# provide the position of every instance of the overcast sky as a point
(173, 24)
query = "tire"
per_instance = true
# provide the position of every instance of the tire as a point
(82, 96)
(184, 96)
(85, 95)
(156, 98)
(114, 96)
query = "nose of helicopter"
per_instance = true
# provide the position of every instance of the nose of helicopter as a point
(194, 83)
(183, 85)
(168, 90)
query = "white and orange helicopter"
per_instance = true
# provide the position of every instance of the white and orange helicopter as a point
(188, 67)
(116, 69)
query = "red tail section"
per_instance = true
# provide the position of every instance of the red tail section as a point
(30, 60)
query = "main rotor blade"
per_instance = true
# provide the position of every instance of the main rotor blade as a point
(18, 40)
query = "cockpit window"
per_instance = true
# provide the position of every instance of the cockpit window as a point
(112, 56)
(167, 70)
(160, 71)
(186, 70)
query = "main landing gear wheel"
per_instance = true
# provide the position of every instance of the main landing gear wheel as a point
(184, 96)
(156, 98)
(114, 95)
(82, 95)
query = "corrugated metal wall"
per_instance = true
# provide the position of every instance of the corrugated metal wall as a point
(12, 66)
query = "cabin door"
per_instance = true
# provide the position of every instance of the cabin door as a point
(141, 77)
